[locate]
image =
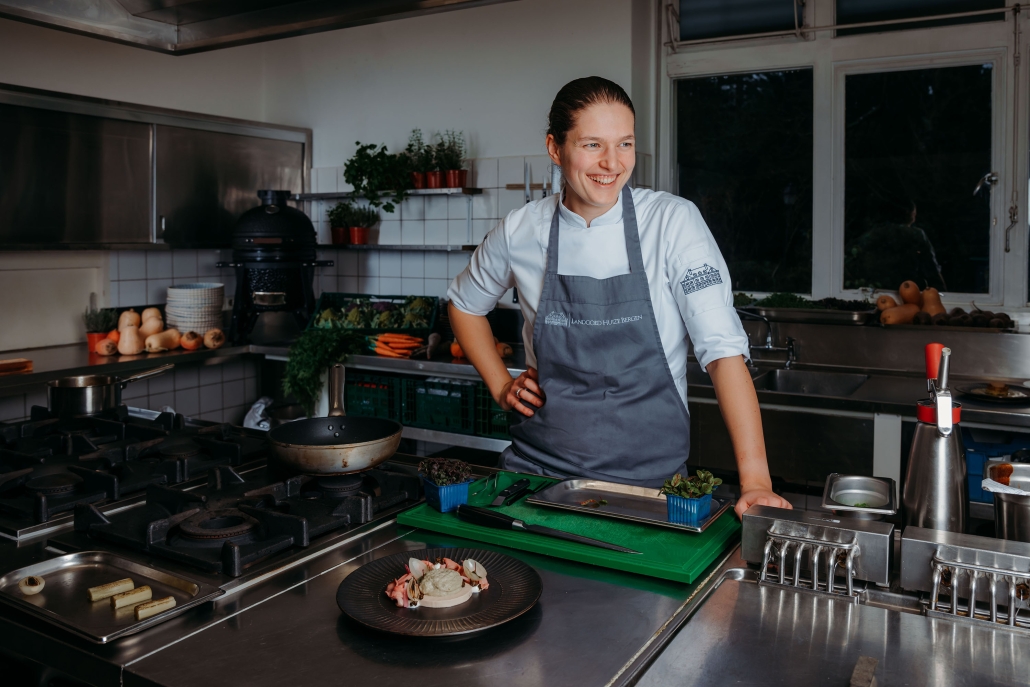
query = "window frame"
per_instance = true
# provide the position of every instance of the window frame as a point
(831, 59)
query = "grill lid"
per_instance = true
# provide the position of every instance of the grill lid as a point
(274, 228)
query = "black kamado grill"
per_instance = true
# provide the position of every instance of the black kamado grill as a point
(273, 253)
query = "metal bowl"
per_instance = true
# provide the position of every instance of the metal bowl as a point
(858, 496)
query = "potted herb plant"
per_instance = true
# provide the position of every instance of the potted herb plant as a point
(339, 222)
(374, 174)
(99, 321)
(450, 156)
(420, 158)
(690, 498)
(360, 220)
(446, 482)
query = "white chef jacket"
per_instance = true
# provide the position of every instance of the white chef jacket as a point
(687, 276)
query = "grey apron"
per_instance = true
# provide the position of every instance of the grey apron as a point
(612, 410)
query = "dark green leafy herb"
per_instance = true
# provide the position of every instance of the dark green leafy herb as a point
(694, 487)
(449, 152)
(311, 355)
(741, 299)
(421, 156)
(445, 471)
(374, 173)
(363, 313)
(100, 320)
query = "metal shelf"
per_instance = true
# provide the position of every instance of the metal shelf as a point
(468, 191)
(456, 248)
(452, 439)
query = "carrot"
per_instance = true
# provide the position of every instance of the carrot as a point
(380, 350)
(399, 337)
(399, 346)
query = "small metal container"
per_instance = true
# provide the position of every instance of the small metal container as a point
(858, 496)
(92, 394)
(1011, 511)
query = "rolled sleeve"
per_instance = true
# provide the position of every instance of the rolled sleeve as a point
(487, 277)
(716, 334)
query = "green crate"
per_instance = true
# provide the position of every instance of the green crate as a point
(340, 300)
(491, 420)
(373, 396)
(447, 405)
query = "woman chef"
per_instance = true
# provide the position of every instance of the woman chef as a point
(611, 281)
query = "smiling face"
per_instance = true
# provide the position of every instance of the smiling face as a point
(597, 158)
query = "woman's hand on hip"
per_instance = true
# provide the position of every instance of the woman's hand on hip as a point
(761, 496)
(523, 393)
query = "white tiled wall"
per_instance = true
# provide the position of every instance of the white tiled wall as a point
(141, 277)
(222, 392)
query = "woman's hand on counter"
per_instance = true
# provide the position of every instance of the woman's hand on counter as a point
(761, 496)
(523, 393)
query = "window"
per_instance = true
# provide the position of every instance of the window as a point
(857, 11)
(916, 144)
(717, 18)
(744, 153)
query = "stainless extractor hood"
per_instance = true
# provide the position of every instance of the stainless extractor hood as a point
(180, 27)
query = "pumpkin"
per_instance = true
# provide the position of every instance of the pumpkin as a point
(150, 313)
(191, 341)
(152, 326)
(164, 341)
(214, 338)
(129, 318)
(130, 343)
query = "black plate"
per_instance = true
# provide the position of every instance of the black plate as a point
(514, 589)
(1016, 395)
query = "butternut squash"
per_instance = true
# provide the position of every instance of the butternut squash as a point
(130, 343)
(932, 302)
(165, 341)
(129, 318)
(909, 292)
(903, 314)
(151, 312)
(191, 341)
(885, 302)
(214, 338)
(106, 347)
(155, 325)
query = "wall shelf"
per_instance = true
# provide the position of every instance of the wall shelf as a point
(342, 195)
(455, 248)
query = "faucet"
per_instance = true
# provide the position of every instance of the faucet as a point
(790, 349)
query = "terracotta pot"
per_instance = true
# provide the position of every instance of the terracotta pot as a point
(453, 178)
(418, 179)
(93, 338)
(434, 179)
(341, 235)
(359, 235)
(463, 178)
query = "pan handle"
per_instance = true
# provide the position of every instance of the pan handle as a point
(146, 373)
(337, 375)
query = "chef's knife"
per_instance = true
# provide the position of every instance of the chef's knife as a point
(515, 489)
(495, 519)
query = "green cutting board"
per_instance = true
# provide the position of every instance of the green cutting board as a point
(665, 553)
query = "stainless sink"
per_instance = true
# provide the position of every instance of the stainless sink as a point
(810, 383)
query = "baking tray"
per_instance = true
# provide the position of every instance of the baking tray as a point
(815, 315)
(639, 504)
(65, 602)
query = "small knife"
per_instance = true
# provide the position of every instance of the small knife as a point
(490, 518)
(515, 489)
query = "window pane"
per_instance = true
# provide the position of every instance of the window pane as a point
(916, 144)
(856, 11)
(718, 18)
(745, 159)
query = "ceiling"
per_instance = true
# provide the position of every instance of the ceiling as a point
(181, 27)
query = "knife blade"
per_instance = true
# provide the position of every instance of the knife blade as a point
(490, 518)
(513, 489)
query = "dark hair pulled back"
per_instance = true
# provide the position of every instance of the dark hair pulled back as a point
(577, 95)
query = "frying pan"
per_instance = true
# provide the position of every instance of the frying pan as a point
(335, 445)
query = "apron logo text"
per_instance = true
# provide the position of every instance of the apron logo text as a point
(700, 278)
(562, 320)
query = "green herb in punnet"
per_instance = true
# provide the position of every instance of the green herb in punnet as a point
(100, 320)
(310, 356)
(701, 484)
(445, 471)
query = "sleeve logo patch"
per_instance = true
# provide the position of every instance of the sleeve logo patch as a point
(700, 278)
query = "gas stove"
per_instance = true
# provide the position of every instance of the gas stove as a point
(49, 466)
(238, 519)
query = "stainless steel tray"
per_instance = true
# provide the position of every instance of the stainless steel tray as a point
(814, 315)
(64, 601)
(842, 492)
(639, 504)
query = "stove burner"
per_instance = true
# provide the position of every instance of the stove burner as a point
(186, 449)
(339, 487)
(217, 524)
(53, 484)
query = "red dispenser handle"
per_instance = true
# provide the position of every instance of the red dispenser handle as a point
(933, 359)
